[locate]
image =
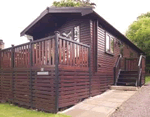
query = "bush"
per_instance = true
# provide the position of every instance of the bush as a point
(71, 3)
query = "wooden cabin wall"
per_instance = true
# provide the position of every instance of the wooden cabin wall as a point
(74, 81)
(70, 24)
(102, 77)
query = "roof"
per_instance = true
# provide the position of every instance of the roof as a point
(83, 11)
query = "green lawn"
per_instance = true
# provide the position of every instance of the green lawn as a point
(147, 79)
(7, 110)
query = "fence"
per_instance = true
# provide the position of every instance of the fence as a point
(29, 73)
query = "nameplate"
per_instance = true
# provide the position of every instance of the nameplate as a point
(42, 73)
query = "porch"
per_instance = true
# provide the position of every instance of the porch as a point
(53, 73)
(46, 74)
(129, 71)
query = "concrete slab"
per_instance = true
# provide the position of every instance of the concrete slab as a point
(93, 114)
(75, 112)
(102, 109)
(99, 106)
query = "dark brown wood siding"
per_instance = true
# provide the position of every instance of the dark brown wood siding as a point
(74, 85)
(103, 77)
(70, 24)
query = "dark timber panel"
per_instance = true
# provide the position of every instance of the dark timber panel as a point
(21, 88)
(6, 84)
(43, 89)
(74, 85)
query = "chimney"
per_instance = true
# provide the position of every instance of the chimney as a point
(1, 44)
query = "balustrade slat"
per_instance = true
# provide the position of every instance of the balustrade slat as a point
(71, 52)
(49, 53)
(67, 49)
(64, 52)
(60, 50)
(53, 47)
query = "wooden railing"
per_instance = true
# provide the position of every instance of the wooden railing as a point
(140, 69)
(117, 69)
(42, 52)
(72, 53)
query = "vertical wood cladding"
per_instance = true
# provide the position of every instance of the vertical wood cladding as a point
(105, 62)
(70, 24)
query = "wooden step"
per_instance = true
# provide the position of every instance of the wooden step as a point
(126, 83)
(129, 72)
(128, 75)
(127, 80)
(124, 88)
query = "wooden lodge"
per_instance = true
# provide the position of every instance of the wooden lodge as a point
(74, 54)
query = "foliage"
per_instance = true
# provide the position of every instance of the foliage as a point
(7, 110)
(139, 33)
(72, 3)
(147, 79)
(144, 15)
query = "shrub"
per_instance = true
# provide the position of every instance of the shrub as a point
(71, 3)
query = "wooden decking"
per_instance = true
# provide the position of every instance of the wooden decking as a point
(46, 74)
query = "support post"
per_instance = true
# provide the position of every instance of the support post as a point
(30, 62)
(114, 75)
(90, 72)
(0, 78)
(0, 58)
(12, 68)
(125, 62)
(56, 72)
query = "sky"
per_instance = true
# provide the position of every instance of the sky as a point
(16, 15)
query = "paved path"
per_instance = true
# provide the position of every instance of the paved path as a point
(101, 105)
(137, 106)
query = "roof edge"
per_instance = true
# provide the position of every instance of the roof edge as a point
(83, 10)
(120, 33)
(35, 21)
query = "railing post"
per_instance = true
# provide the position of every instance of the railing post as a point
(30, 63)
(56, 72)
(12, 68)
(125, 62)
(12, 56)
(1, 78)
(0, 58)
(114, 75)
(90, 72)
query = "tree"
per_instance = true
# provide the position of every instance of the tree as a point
(73, 3)
(139, 33)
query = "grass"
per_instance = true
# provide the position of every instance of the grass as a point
(147, 79)
(9, 110)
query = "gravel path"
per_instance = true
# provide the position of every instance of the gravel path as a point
(137, 106)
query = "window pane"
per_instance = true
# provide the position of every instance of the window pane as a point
(112, 45)
(107, 44)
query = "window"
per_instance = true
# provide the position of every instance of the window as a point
(109, 44)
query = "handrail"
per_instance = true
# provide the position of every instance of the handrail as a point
(117, 73)
(139, 76)
(78, 43)
(119, 57)
(140, 70)
(139, 63)
(43, 39)
(117, 76)
(35, 41)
